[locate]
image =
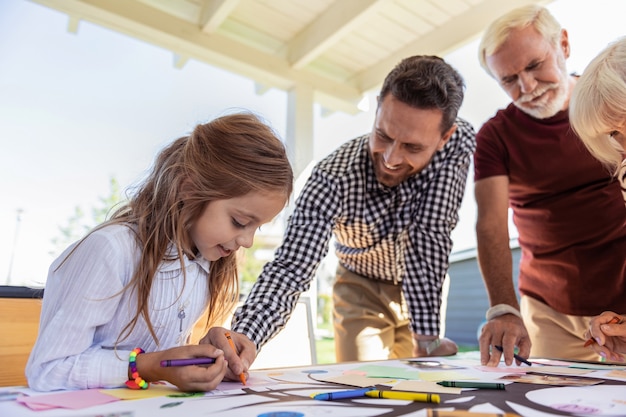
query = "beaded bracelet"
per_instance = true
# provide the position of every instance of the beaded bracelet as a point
(136, 382)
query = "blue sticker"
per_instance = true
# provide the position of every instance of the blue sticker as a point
(282, 414)
(315, 371)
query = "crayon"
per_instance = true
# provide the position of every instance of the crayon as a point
(591, 341)
(232, 345)
(340, 395)
(186, 362)
(463, 413)
(405, 395)
(468, 384)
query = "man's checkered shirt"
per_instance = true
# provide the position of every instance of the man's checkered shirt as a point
(399, 234)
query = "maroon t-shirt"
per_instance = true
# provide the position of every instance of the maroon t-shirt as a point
(568, 210)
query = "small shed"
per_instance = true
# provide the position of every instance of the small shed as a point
(467, 296)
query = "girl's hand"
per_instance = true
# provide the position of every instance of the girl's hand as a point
(240, 359)
(191, 378)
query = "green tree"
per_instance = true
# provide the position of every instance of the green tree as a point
(101, 212)
(78, 224)
(250, 265)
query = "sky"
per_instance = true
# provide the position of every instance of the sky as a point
(79, 109)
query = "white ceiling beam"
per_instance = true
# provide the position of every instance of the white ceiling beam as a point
(137, 20)
(455, 33)
(72, 24)
(180, 61)
(332, 25)
(214, 12)
(261, 89)
(299, 133)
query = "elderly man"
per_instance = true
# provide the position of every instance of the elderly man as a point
(567, 208)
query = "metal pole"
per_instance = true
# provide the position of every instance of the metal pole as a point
(17, 231)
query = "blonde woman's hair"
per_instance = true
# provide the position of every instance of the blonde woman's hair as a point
(499, 30)
(226, 158)
(598, 104)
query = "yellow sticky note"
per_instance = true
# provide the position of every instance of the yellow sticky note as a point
(138, 394)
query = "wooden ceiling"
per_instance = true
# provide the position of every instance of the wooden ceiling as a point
(339, 48)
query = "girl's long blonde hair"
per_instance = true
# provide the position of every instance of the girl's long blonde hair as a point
(225, 158)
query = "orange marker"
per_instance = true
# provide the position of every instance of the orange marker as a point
(232, 345)
(591, 341)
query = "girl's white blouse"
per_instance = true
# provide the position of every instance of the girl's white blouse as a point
(85, 308)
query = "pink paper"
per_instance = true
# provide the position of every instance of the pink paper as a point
(510, 369)
(72, 400)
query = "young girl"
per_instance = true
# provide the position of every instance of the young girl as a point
(138, 282)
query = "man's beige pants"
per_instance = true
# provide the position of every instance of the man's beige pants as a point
(555, 335)
(370, 319)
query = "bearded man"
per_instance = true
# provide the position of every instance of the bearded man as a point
(391, 199)
(566, 207)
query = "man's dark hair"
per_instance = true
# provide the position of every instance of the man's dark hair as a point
(426, 82)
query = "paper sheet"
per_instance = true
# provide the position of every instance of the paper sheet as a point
(69, 399)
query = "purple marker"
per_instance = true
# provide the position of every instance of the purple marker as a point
(187, 362)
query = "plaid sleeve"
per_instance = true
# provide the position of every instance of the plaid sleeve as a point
(428, 242)
(273, 297)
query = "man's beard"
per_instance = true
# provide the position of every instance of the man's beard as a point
(552, 106)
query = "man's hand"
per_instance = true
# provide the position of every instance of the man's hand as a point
(507, 331)
(424, 346)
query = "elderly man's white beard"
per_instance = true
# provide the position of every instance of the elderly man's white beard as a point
(546, 107)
